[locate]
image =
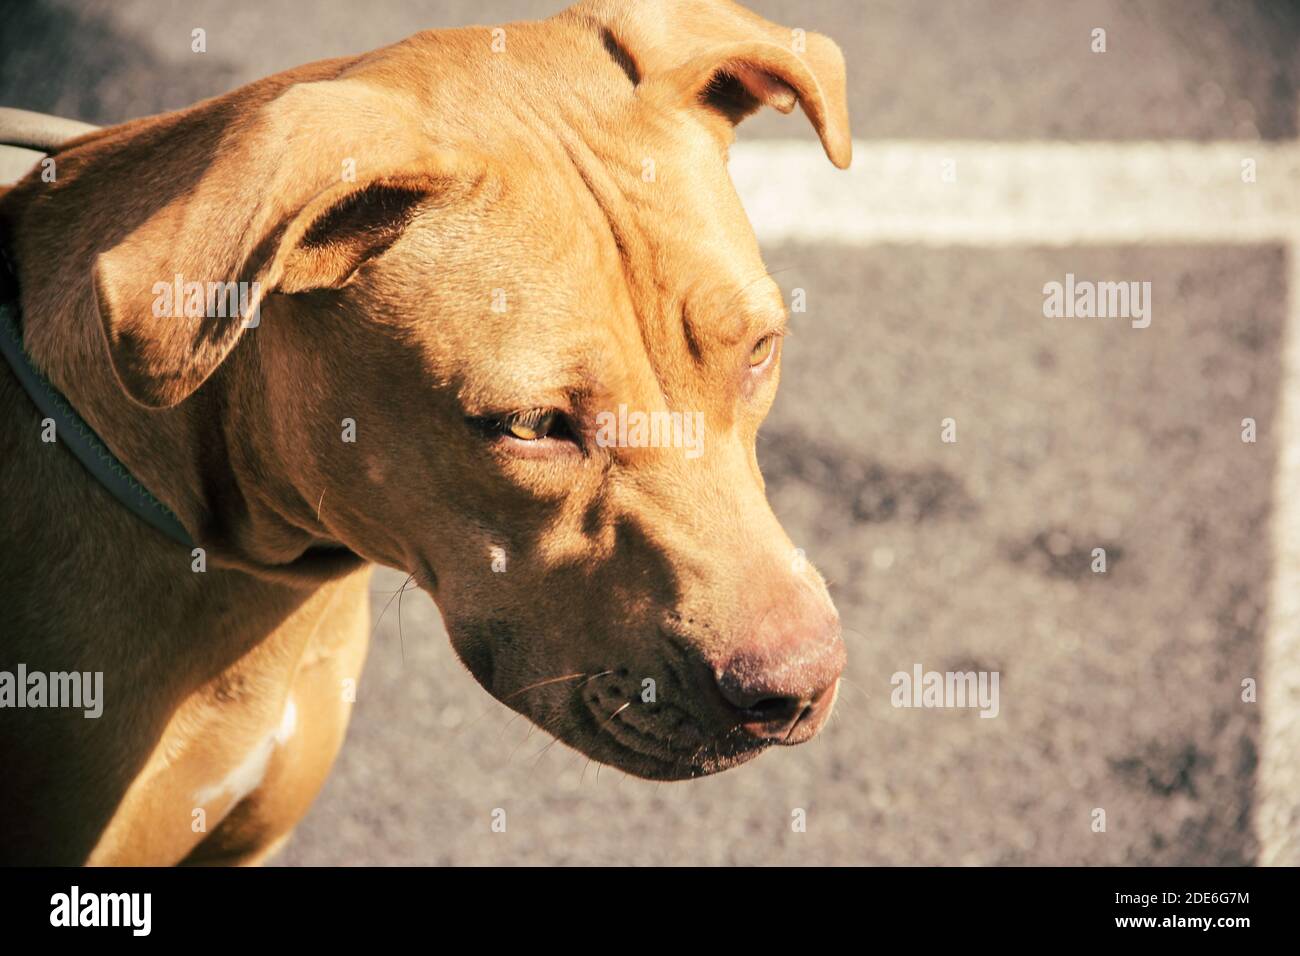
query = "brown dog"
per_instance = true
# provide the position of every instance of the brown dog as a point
(483, 261)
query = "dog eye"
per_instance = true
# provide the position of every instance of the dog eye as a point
(531, 426)
(762, 351)
(537, 431)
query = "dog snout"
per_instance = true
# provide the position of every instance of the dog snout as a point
(779, 685)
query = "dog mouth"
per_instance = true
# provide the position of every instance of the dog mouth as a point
(652, 722)
(626, 724)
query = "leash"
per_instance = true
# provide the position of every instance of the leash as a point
(71, 430)
(37, 131)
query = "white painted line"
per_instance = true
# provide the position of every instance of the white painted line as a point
(1277, 775)
(1021, 193)
(1072, 194)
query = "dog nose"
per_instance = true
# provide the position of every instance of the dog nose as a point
(780, 685)
(777, 716)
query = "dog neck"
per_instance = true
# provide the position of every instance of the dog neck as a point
(189, 457)
(66, 425)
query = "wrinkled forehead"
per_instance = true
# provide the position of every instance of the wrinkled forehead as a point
(617, 229)
(659, 212)
(596, 148)
(582, 280)
(667, 255)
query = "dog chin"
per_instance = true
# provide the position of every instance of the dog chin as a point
(649, 768)
(650, 760)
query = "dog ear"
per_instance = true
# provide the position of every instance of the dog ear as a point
(344, 227)
(718, 55)
(162, 350)
(272, 211)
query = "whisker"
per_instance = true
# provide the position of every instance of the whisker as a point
(848, 683)
(401, 638)
(532, 729)
(557, 711)
(466, 726)
(532, 726)
(540, 683)
(615, 714)
(515, 749)
(555, 740)
(549, 680)
(395, 594)
(405, 586)
(541, 753)
(506, 726)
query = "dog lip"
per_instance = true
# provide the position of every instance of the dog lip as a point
(720, 753)
(632, 738)
(721, 758)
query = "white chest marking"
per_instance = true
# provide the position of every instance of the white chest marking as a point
(245, 777)
(288, 722)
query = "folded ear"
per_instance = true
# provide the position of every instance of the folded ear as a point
(271, 212)
(343, 227)
(167, 335)
(731, 61)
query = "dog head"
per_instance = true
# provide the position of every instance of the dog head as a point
(514, 336)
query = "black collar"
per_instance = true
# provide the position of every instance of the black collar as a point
(70, 430)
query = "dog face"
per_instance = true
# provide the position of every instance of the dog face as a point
(554, 338)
